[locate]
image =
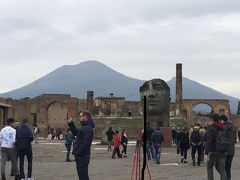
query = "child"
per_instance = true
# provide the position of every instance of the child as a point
(116, 146)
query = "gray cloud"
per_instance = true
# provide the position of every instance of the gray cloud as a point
(142, 39)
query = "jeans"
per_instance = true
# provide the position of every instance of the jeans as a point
(9, 153)
(149, 149)
(220, 159)
(228, 165)
(157, 152)
(197, 148)
(184, 153)
(68, 146)
(82, 167)
(28, 153)
(109, 145)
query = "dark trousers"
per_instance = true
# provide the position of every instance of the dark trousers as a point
(28, 153)
(68, 146)
(82, 167)
(184, 153)
(124, 149)
(197, 148)
(228, 165)
(116, 150)
(220, 159)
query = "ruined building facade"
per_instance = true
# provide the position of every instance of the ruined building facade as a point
(51, 110)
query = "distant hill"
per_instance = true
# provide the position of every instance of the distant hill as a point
(95, 76)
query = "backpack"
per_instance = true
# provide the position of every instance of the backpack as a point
(195, 137)
(222, 141)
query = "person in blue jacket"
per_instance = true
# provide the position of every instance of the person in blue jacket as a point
(157, 138)
(24, 138)
(68, 144)
(82, 146)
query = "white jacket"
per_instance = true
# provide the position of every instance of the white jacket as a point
(8, 137)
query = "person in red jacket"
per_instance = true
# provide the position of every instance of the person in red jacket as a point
(116, 145)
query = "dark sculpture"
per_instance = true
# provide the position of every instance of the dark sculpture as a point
(157, 94)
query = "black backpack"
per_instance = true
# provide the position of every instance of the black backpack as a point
(222, 141)
(195, 137)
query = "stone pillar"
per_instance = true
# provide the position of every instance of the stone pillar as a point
(178, 89)
(238, 112)
(90, 101)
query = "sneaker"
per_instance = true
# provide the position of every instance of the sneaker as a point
(22, 179)
(182, 160)
(68, 160)
(30, 179)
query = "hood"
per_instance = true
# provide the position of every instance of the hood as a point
(90, 122)
(219, 125)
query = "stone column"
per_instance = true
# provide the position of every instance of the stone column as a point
(179, 89)
(90, 101)
(238, 112)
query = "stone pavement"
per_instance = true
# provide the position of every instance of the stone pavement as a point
(49, 163)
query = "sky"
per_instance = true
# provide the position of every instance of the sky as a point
(143, 39)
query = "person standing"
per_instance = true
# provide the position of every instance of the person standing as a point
(212, 155)
(110, 135)
(116, 145)
(232, 133)
(83, 142)
(157, 138)
(68, 144)
(196, 139)
(36, 132)
(8, 149)
(24, 147)
(124, 142)
(183, 144)
(149, 147)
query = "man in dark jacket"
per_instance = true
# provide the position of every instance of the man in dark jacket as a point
(211, 154)
(232, 133)
(82, 146)
(24, 138)
(110, 135)
(157, 139)
(149, 146)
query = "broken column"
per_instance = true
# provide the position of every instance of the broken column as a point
(179, 89)
(90, 101)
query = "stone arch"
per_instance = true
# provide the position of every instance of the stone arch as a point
(56, 114)
(216, 104)
(203, 116)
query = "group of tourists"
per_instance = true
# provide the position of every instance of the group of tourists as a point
(114, 137)
(216, 141)
(16, 143)
(55, 133)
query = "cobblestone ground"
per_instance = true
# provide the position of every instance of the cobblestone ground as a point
(49, 163)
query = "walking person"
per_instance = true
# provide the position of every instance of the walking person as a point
(36, 132)
(149, 147)
(24, 147)
(110, 135)
(196, 139)
(232, 133)
(83, 142)
(8, 149)
(183, 144)
(212, 154)
(116, 145)
(157, 138)
(124, 142)
(68, 144)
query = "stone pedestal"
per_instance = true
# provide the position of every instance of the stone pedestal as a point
(167, 133)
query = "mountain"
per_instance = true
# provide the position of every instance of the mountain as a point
(95, 76)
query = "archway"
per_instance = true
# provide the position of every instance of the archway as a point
(202, 113)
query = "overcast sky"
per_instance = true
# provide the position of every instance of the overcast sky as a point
(143, 39)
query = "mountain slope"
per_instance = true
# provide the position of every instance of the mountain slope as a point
(95, 76)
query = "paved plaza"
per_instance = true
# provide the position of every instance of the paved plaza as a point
(49, 163)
